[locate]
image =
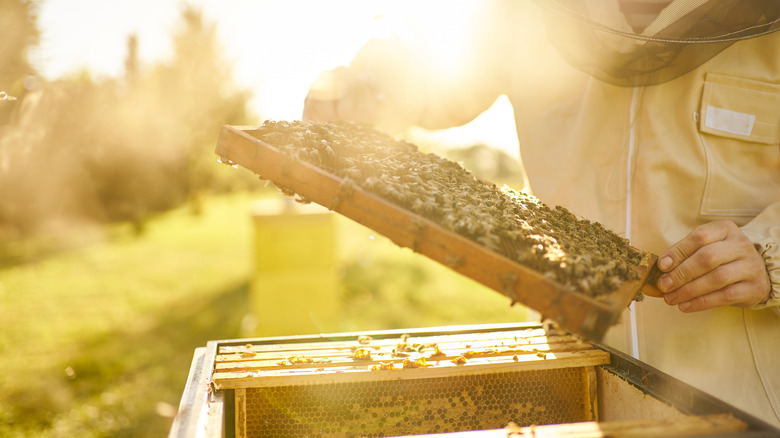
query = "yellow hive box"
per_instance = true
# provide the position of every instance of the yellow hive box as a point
(294, 248)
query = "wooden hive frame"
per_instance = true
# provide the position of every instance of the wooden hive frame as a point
(574, 311)
(361, 370)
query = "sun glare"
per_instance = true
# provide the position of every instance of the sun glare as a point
(277, 48)
(329, 34)
(444, 28)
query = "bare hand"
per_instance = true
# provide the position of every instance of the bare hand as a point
(714, 265)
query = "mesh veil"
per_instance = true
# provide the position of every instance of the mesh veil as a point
(593, 36)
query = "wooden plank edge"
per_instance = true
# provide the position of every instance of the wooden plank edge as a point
(420, 332)
(520, 338)
(240, 413)
(196, 416)
(447, 369)
(265, 364)
(709, 425)
(251, 354)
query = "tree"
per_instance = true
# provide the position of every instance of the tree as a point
(19, 35)
(121, 149)
(131, 59)
(198, 87)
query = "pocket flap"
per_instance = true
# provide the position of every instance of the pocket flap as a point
(740, 108)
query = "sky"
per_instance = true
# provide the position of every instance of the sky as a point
(92, 34)
(302, 37)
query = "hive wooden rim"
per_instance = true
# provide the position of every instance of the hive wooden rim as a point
(504, 350)
(573, 310)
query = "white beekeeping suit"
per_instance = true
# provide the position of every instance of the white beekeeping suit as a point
(658, 119)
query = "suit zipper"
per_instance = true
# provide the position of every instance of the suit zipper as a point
(633, 325)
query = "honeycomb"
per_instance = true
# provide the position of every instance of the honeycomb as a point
(404, 407)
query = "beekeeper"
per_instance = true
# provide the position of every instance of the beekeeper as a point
(657, 118)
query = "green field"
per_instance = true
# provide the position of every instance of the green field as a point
(97, 341)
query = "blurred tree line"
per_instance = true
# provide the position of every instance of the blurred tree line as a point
(82, 150)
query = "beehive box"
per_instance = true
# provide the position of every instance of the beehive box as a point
(500, 380)
(571, 270)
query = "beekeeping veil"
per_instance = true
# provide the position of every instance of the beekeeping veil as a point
(596, 35)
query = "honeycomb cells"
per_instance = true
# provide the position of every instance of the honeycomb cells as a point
(419, 406)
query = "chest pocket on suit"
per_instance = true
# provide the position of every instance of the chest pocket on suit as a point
(739, 126)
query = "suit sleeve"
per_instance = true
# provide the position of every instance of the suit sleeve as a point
(764, 232)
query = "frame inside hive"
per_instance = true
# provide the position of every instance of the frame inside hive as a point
(577, 312)
(423, 383)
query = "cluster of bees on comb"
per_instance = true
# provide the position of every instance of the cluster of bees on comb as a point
(580, 254)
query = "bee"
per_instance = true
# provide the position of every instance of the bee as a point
(371, 183)
(362, 354)
(285, 191)
(329, 150)
(352, 172)
(334, 203)
(437, 351)
(460, 360)
(419, 363)
(550, 326)
(384, 366)
(227, 162)
(345, 188)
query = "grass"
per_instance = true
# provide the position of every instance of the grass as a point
(97, 341)
(387, 287)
